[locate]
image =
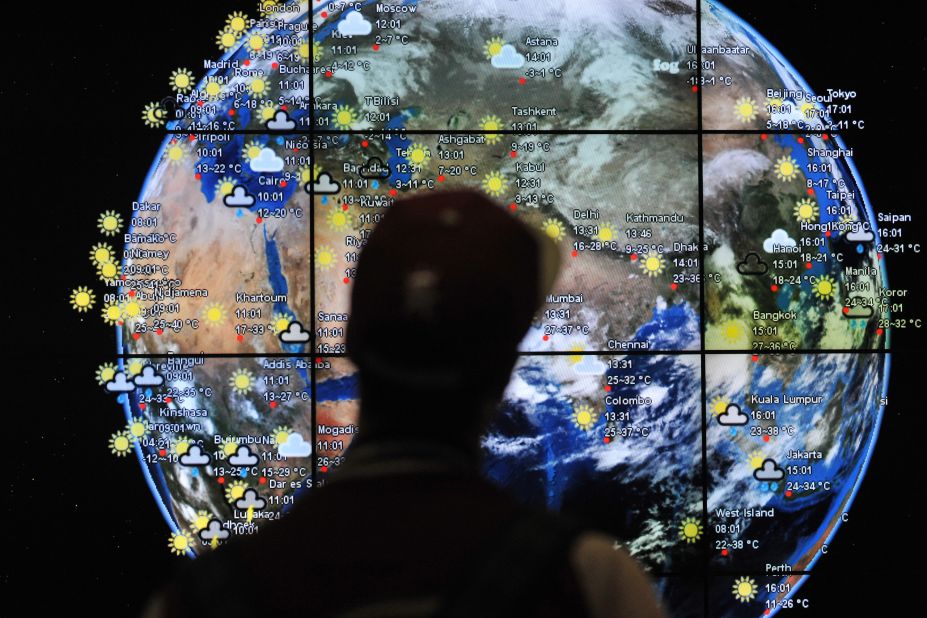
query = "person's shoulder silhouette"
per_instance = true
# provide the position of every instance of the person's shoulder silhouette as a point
(447, 286)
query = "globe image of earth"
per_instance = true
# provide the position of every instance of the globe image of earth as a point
(707, 377)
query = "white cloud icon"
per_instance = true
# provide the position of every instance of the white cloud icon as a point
(780, 238)
(267, 161)
(354, 24)
(508, 58)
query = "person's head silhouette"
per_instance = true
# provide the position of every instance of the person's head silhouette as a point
(447, 286)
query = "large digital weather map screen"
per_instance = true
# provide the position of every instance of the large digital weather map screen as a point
(706, 379)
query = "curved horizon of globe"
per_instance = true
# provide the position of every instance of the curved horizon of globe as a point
(539, 446)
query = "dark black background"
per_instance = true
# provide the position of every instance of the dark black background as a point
(80, 526)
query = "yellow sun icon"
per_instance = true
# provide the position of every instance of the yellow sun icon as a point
(258, 86)
(744, 589)
(324, 257)
(226, 39)
(652, 264)
(213, 88)
(181, 80)
(491, 124)
(255, 42)
(690, 530)
(824, 287)
(344, 116)
(225, 186)
(82, 298)
(132, 309)
(735, 332)
(494, 184)
(237, 22)
(577, 358)
(252, 150)
(493, 47)
(214, 313)
(786, 168)
(120, 443)
(418, 154)
(180, 542)
(307, 173)
(756, 460)
(553, 229)
(154, 115)
(180, 445)
(302, 50)
(134, 366)
(109, 271)
(242, 381)
(585, 417)
(337, 219)
(268, 7)
(137, 428)
(806, 210)
(101, 253)
(112, 313)
(201, 521)
(235, 490)
(719, 405)
(316, 51)
(606, 233)
(175, 154)
(281, 434)
(774, 106)
(281, 322)
(267, 111)
(745, 109)
(229, 447)
(105, 373)
(109, 222)
(807, 109)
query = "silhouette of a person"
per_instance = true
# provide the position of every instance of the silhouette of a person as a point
(446, 288)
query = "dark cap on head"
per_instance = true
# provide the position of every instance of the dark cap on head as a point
(447, 283)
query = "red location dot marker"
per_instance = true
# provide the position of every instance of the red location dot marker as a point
(328, 73)
(393, 192)
(283, 107)
(765, 438)
(259, 220)
(674, 286)
(788, 493)
(846, 310)
(754, 358)
(608, 388)
(200, 103)
(513, 154)
(318, 360)
(810, 191)
(774, 287)
(825, 137)
(606, 439)
(324, 14)
(879, 332)
(633, 257)
(694, 88)
(766, 612)
(275, 65)
(273, 404)
(344, 207)
(376, 47)
(574, 253)
(763, 136)
(198, 176)
(801, 140)
(119, 322)
(142, 406)
(191, 137)
(221, 480)
(240, 337)
(346, 280)
(808, 265)
(160, 331)
(364, 144)
(132, 293)
(723, 552)
(168, 399)
(283, 183)
(546, 337)
(827, 233)
(323, 469)
(262, 480)
(247, 63)
(513, 206)
(522, 81)
(441, 178)
(231, 112)
(162, 452)
(135, 336)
